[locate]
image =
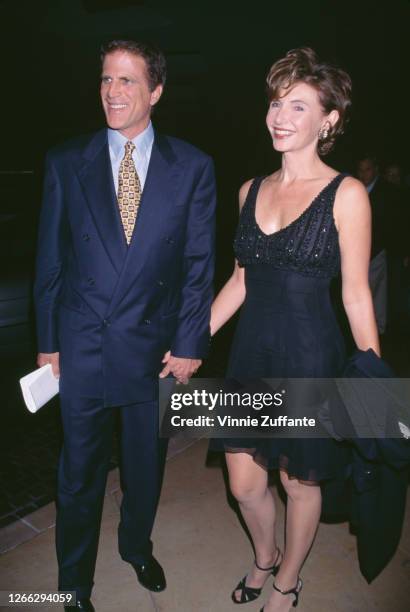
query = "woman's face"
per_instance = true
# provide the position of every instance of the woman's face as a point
(296, 117)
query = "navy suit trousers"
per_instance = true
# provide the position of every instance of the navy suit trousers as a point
(85, 457)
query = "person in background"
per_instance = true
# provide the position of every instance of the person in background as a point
(398, 251)
(381, 200)
(393, 174)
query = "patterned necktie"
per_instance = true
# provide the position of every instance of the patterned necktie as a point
(129, 191)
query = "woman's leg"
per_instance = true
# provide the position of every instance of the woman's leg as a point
(302, 519)
(249, 485)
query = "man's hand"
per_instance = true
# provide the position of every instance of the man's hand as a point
(53, 358)
(181, 367)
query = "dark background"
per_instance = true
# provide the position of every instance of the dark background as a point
(218, 56)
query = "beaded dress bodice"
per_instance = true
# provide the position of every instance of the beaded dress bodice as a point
(309, 245)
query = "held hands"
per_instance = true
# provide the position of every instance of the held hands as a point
(182, 368)
(53, 358)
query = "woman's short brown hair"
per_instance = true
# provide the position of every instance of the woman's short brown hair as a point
(333, 85)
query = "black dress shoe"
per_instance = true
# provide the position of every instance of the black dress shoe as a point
(151, 575)
(82, 604)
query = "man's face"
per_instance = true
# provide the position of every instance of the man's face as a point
(125, 93)
(366, 171)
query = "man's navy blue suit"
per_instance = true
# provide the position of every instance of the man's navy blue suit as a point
(112, 311)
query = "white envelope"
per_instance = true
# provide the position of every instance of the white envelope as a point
(39, 387)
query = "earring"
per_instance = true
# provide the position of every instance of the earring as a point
(323, 132)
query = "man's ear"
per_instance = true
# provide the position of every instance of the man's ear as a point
(156, 94)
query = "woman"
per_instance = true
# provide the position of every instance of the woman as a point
(298, 227)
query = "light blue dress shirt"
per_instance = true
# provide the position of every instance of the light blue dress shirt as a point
(141, 154)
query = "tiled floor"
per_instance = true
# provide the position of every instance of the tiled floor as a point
(204, 551)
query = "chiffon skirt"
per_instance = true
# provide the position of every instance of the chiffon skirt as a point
(287, 329)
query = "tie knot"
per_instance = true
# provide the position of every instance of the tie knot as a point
(129, 147)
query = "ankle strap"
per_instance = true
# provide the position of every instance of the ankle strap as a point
(295, 591)
(268, 569)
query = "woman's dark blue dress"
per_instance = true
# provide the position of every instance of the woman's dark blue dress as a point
(287, 327)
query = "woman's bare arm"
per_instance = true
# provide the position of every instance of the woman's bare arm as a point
(353, 221)
(232, 294)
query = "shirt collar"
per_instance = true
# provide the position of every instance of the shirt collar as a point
(371, 185)
(143, 142)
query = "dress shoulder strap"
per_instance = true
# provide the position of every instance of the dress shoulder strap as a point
(251, 196)
(336, 182)
(328, 194)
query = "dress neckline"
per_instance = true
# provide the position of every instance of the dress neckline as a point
(299, 217)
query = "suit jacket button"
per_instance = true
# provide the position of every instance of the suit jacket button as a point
(106, 323)
(160, 283)
(91, 281)
(169, 240)
(86, 237)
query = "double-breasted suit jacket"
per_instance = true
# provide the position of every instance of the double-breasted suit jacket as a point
(113, 310)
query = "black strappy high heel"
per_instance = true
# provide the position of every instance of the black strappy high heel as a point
(251, 593)
(295, 591)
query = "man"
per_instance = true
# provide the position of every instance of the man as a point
(379, 195)
(124, 282)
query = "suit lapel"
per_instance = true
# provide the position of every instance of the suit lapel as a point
(160, 188)
(95, 176)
